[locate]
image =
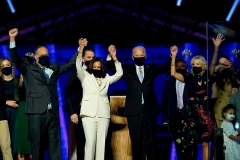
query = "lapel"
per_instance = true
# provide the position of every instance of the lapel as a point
(52, 67)
(93, 79)
(39, 69)
(104, 82)
(134, 72)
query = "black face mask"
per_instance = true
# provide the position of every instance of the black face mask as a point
(44, 60)
(197, 70)
(7, 71)
(139, 61)
(97, 73)
(87, 63)
(181, 71)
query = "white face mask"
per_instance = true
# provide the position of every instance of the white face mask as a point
(230, 117)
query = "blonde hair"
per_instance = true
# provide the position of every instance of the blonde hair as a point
(1, 66)
(201, 60)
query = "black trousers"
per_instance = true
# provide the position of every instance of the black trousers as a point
(142, 129)
(45, 130)
(80, 139)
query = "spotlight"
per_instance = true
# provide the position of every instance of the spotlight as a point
(234, 6)
(179, 3)
(11, 6)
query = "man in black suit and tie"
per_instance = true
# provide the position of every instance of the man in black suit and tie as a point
(42, 98)
(141, 106)
(73, 95)
(174, 98)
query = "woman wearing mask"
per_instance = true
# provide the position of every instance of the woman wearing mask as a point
(226, 83)
(199, 123)
(5, 142)
(10, 84)
(95, 109)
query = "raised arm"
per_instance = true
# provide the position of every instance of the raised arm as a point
(80, 70)
(110, 60)
(17, 61)
(176, 75)
(217, 41)
(72, 62)
(119, 71)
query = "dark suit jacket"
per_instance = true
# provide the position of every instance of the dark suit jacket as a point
(73, 93)
(3, 113)
(135, 88)
(169, 101)
(37, 87)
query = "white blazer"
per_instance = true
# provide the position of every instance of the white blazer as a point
(95, 100)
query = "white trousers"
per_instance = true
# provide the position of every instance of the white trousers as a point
(95, 130)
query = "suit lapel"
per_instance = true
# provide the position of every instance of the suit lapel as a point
(104, 81)
(134, 72)
(94, 81)
(39, 69)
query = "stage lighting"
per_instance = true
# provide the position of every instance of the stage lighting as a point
(234, 6)
(179, 3)
(11, 6)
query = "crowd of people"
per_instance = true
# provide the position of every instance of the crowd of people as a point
(29, 109)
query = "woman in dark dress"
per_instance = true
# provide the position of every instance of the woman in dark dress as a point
(10, 84)
(199, 124)
(22, 136)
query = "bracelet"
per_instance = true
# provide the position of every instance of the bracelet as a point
(115, 60)
(215, 51)
(172, 64)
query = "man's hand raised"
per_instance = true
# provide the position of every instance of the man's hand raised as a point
(13, 33)
(112, 51)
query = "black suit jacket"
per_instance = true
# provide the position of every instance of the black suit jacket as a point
(73, 93)
(135, 88)
(169, 101)
(37, 87)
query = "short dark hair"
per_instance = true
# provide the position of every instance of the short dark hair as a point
(37, 47)
(181, 61)
(228, 107)
(90, 66)
(85, 49)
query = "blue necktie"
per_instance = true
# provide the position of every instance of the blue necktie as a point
(45, 74)
(140, 76)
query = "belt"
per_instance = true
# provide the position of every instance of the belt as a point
(49, 111)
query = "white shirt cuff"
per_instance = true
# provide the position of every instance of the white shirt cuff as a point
(109, 58)
(12, 45)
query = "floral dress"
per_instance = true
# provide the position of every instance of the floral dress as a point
(198, 124)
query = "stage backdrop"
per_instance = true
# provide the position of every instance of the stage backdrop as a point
(158, 54)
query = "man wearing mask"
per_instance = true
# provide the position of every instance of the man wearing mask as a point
(73, 95)
(174, 99)
(42, 106)
(141, 106)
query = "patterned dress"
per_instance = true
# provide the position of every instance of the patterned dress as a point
(198, 124)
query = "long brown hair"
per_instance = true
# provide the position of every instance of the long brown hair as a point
(1, 66)
(90, 66)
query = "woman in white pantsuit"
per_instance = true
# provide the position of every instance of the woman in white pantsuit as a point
(95, 109)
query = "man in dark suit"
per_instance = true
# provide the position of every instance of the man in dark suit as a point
(42, 98)
(73, 97)
(141, 106)
(173, 103)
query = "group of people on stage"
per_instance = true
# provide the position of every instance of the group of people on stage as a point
(29, 109)
(192, 115)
